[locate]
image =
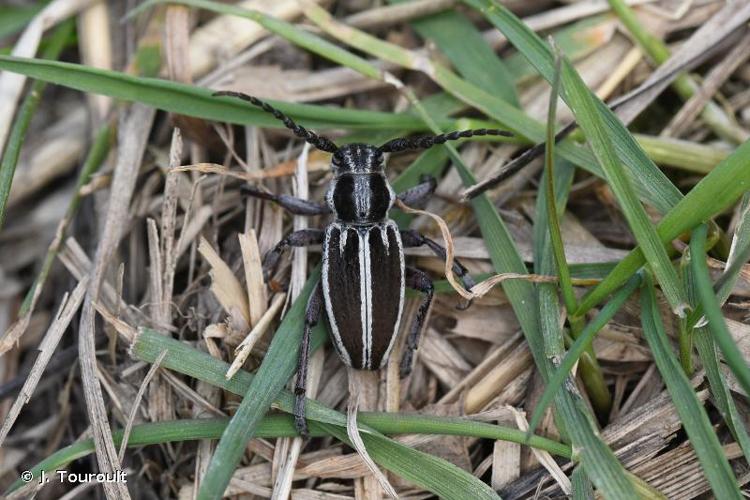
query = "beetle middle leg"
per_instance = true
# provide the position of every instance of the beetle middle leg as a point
(420, 281)
(312, 316)
(296, 206)
(412, 238)
(302, 238)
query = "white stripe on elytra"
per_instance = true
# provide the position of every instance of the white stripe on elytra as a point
(392, 225)
(365, 296)
(327, 294)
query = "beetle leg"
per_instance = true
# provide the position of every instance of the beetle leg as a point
(418, 280)
(419, 194)
(296, 206)
(302, 238)
(312, 316)
(411, 238)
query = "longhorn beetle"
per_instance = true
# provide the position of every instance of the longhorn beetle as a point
(363, 277)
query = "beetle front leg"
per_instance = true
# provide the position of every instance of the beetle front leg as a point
(302, 238)
(420, 281)
(296, 206)
(419, 194)
(412, 238)
(312, 316)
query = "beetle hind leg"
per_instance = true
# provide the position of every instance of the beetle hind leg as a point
(412, 238)
(420, 281)
(312, 316)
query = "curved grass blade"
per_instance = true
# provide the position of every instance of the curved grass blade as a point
(183, 358)
(548, 236)
(276, 426)
(420, 468)
(706, 444)
(199, 102)
(712, 310)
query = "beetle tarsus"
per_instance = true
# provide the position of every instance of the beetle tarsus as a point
(312, 316)
(420, 281)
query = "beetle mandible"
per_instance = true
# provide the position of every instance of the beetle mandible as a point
(363, 276)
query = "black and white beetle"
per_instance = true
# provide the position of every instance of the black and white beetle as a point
(363, 274)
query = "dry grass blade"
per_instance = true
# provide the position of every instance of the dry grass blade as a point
(68, 308)
(718, 28)
(132, 138)
(352, 431)
(137, 402)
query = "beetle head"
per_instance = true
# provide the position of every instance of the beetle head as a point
(357, 159)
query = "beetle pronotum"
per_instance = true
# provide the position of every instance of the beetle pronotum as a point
(364, 276)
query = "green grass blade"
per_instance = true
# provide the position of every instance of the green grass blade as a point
(196, 101)
(182, 358)
(13, 19)
(562, 372)
(653, 185)
(597, 459)
(461, 42)
(584, 105)
(706, 444)
(582, 488)
(706, 348)
(393, 456)
(548, 239)
(17, 135)
(712, 310)
(277, 367)
(716, 192)
(553, 218)
(275, 426)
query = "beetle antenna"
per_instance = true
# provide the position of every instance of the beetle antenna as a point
(320, 142)
(427, 141)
